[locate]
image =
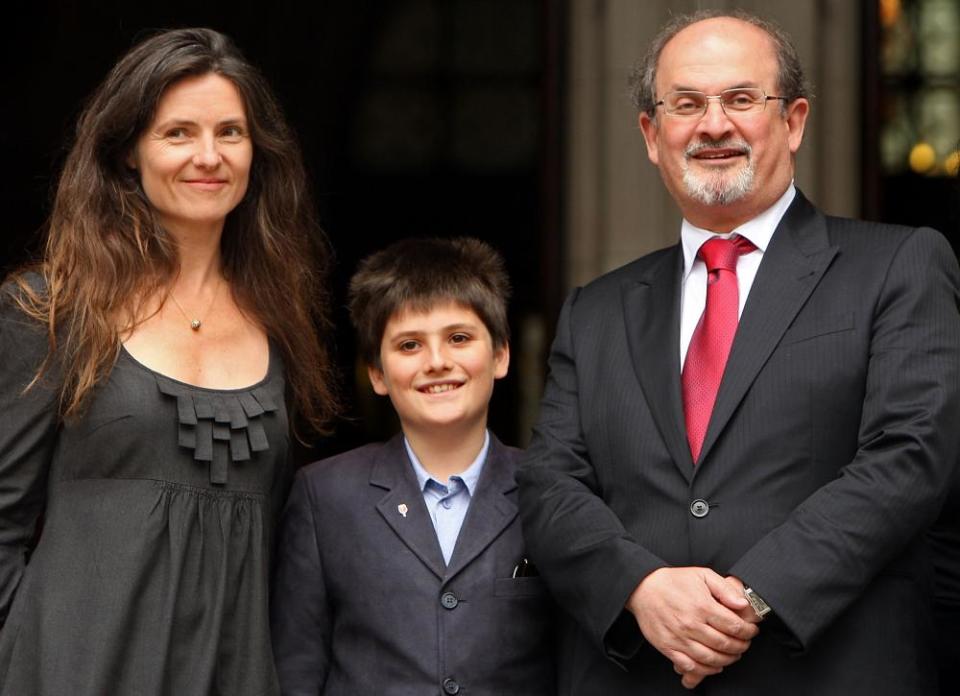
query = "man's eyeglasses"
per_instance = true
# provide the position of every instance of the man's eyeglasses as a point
(736, 101)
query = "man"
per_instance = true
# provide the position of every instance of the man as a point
(771, 418)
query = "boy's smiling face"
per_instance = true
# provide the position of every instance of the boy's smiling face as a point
(438, 368)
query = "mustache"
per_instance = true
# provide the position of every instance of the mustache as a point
(741, 146)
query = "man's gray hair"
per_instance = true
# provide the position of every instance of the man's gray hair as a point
(791, 82)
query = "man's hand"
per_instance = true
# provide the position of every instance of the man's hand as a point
(695, 617)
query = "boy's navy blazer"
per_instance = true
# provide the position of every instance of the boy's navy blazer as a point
(363, 602)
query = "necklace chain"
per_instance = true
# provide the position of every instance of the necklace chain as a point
(196, 322)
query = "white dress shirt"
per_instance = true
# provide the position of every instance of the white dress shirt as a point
(759, 230)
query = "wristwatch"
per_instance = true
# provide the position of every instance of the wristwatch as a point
(756, 601)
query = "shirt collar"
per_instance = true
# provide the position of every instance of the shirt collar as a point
(759, 230)
(469, 476)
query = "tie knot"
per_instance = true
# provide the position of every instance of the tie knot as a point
(722, 254)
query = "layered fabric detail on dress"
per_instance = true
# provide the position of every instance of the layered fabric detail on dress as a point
(220, 427)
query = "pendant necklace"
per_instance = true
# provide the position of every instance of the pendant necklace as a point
(197, 322)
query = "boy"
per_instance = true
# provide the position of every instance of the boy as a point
(401, 566)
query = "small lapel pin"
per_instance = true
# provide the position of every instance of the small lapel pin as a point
(402, 509)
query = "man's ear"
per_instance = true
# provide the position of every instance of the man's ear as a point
(501, 361)
(649, 128)
(796, 119)
(377, 381)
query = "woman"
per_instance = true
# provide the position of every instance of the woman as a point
(143, 407)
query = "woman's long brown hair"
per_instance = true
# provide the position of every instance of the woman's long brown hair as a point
(106, 253)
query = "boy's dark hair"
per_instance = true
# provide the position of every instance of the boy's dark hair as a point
(418, 274)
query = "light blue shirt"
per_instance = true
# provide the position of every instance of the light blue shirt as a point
(448, 502)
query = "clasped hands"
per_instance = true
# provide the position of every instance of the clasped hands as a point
(698, 619)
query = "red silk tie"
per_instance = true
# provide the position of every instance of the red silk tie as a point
(711, 341)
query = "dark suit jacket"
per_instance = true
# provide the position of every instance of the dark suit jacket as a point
(828, 453)
(944, 538)
(363, 603)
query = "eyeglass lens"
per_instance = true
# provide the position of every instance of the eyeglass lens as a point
(740, 100)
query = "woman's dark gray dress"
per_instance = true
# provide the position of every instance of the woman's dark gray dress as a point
(150, 575)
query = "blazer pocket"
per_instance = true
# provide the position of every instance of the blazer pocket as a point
(819, 326)
(519, 587)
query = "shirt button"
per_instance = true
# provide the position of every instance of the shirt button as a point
(446, 503)
(448, 600)
(699, 508)
(450, 686)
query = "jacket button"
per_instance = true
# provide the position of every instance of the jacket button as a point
(449, 601)
(450, 686)
(699, 508)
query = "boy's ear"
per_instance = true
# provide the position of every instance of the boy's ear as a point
(376, 380)
(501, 361)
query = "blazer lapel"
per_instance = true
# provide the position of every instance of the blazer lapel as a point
(490, 512)
(652, 319)
(792, 266)
(403, 508)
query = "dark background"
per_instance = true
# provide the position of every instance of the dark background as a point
(901, 197)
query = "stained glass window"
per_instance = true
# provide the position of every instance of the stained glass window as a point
(920, 72)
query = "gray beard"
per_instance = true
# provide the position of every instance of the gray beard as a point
(721, 187)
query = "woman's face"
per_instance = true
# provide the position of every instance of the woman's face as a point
(194, 157)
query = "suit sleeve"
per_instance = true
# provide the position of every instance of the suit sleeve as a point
(589, 561)
(820, 560)
(28, 430)
(300, 618)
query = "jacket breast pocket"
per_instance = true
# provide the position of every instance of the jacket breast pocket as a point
(816, 326)
(519, 587)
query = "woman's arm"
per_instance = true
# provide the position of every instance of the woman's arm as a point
(28, 425)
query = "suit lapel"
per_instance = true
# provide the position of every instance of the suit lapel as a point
(490, 512)
(403, 508)
(652, 318)
(792, 266)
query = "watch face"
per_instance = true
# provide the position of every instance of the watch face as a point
(756, 601)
